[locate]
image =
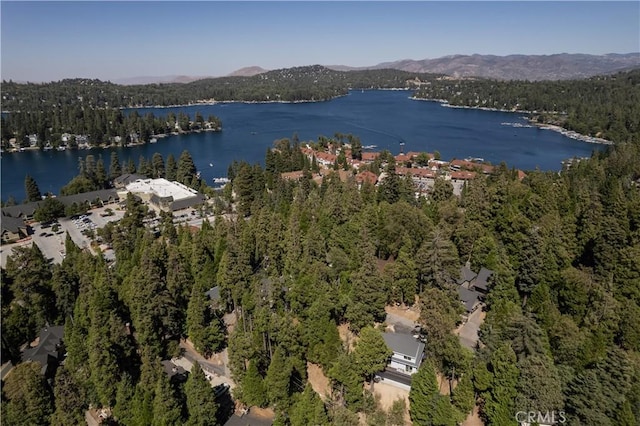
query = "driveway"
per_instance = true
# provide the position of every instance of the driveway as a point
(401, 319)
(217, 373)
(468, 332)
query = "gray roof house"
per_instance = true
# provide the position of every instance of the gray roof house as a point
(13, 229)
(473, 287)
(25, 210)
(405, 361)
(49, 350)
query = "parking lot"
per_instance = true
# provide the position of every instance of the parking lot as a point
(50, 237)
(91, 221)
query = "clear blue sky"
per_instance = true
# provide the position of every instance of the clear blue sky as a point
(44, 41)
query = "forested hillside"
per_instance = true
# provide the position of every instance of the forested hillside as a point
(291, 84)
(604, 106)
(563, 310)
(93, 108)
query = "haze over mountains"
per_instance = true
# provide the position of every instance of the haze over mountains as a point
(562, 66)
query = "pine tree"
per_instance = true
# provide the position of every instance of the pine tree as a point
(29, 402)
(423, 396)
(31, 189)
(253, 389)
(167, 410)
(131, 166)
(186, 170)
(500, 400)
(371, 353)
(157, 165)
(204, 328)
(278, 380)
(114, 167)
(101, 174)
(308, 409)
(171, 169)
(69, 400)
(395, 416)
(463, 395)
(368, 295)
(201, 401)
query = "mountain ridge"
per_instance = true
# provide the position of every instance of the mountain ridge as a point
(558, 66)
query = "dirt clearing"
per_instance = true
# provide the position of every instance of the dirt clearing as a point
(319, 382)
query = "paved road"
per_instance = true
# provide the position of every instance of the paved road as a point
(193, 356)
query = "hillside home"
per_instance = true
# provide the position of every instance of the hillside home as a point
(407, 356)
(48, 352)
(473, 287)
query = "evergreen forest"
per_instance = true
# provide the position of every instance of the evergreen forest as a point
(300, 261)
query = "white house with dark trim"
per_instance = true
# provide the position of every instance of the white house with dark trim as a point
(405, 361)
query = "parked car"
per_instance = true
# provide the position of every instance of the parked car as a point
(220, 389)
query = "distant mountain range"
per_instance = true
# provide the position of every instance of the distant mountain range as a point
(562, 66)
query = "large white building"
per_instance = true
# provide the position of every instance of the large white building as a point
(162, 194)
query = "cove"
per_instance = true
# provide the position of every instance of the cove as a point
(384, 118)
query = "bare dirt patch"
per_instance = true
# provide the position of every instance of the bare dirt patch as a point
(319, 382)
(473, 419)
(263, 413)
(347, 336)
(389, 393)
(408, 313)
(443, 384)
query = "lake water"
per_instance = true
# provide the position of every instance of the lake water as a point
(381, 118)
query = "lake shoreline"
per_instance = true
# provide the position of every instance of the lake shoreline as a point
(103, 146)
(543, 126)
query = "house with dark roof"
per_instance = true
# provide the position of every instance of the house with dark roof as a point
(213, 294)
(13, 229)
(472, 287)
(175, 372)
(49, 350)
(24, 211)
(92, 198)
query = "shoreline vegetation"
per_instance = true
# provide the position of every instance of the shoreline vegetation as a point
(532, 122)
(115, 145)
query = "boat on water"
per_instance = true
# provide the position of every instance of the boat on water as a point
(221, 180)
(153, 140)
(370, 147)
(210, 164)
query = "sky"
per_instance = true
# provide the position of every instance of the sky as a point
(49, 41)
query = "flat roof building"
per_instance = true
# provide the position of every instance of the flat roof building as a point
(164, 195)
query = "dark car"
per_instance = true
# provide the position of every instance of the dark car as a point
(220, 389)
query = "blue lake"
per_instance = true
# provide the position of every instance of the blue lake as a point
(381, 118)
